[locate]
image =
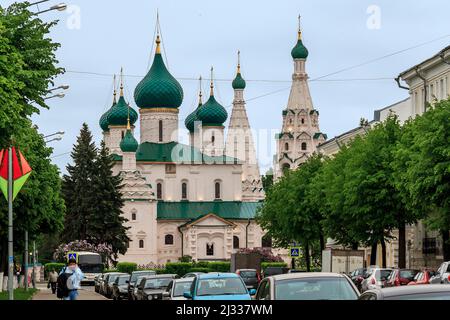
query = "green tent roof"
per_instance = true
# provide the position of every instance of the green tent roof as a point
(192, 210)
(128, 143)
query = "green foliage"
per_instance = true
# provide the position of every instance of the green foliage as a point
(179, 268)
(110, 270)
(265, 265)
(185, 258)
(219, 266)
(126, 267)
(205, 270)
(49, 267)
(19, 294)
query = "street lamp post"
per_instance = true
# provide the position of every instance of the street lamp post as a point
(59, 7)
(10, 228)
(58, 95)
(26, 261)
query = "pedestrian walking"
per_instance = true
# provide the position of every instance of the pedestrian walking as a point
(69, 280)
(52, 280)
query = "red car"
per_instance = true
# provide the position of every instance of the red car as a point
(422, 277)
(400, 277)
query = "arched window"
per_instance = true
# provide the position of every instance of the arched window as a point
(217, 191)
(168, 239)
(141, 244)
(303, 145)
(266, 241)
(235, 242)
(286, 167)
(160, 130)
(213, 138)
(210, 249)
(159, 191)
(133, 216)
(303, 121)
(184, 190)
(286, 146)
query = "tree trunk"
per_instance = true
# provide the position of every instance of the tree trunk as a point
(446, 244)
(373, 254)
(293, 263)
(322, 243)
(307, 257)
(383, 253)
(4, 257)
(401, 245)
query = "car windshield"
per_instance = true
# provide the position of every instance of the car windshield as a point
(422, 296)
(136, 275)
(382, 274)
(248, 274)
(157, 283)
(91, 268)
(314, 289)
(122, 280)
(181, 288)
(221, 286)
(112, 278)
(408, 274)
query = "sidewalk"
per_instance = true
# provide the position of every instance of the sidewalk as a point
(84, 294)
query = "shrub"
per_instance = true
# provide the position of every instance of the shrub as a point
(48, 267)
(219, 266)
(179, 268)
(205, 270)
(185, 258)
(109, 270)
(264, 265)
(126, 267)
(161, 271)
(200, 264)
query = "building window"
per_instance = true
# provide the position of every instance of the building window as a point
(303, 121)
(286, 167)
(429, 246)
(235, 242)
(160, 130)
(159, 191)
(266, 241)
(213, 138)
(171, 168)
(133, 216)
(141, 244)
(303, 146)
(168, 239)
(184, 191)
(217, 190)
(210, 249)
(286, 146)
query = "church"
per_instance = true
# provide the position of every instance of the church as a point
(198, 199)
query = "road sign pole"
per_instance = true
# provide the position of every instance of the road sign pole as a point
(34, 264)
(10, 228)
(26, 261)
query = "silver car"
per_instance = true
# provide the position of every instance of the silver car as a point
(422, 292)
(307, 286)
(375, 279)
(442, 275)
(177, 288)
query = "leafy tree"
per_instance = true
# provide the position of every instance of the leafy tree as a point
(267, 180)
(78, 187)
(423, 167)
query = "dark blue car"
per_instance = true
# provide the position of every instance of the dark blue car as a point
(219, 286)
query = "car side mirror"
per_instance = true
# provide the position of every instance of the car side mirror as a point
(252, 292)
(187, 295)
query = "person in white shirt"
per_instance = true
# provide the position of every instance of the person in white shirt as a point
(73, 282)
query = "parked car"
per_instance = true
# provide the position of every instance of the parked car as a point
(375, 279)
(400, 277)
(307, 286)
(120, 287)
(423, 277)
(219, 286)
(153, 287)
(135, 288)
(425, 292)
(442, 274)
(110, 278)
(272, 271)
(177, 288)
(251, 277)
(133, 281)
(104, 282)
(97, 282)
(357, 276)
(295, 271)
(192, 274)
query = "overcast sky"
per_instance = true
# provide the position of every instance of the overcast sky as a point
(197, 34)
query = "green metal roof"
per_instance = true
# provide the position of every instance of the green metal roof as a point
(238, 82)
(118, 114)
(128, 143)
(187, 210)
(212, 113)
(318, 134)
(174, 152)
(299, 51)
(192, 118)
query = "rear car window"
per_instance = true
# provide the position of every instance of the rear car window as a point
(248, 274)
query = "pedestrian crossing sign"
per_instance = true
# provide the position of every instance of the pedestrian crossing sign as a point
(294, 252)
(72, 255)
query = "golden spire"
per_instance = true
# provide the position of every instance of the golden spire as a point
(121, 81)
(212, 84)
(239, 62)
(115, 91)
(128, 119)
(299, 28)
(158, 47)
(200, 91)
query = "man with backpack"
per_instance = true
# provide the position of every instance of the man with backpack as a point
(69, 280)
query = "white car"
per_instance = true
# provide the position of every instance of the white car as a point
(375, 279)
(177, 288)
(442, 274)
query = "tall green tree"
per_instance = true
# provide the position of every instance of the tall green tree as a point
(423, 168)
(78, 185)
(106, 223)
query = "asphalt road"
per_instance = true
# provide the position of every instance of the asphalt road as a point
(86, 293)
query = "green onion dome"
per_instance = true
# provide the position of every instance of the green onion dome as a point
(238, 82)
(190, 120)
(104, 121)
(158, 89)
(118, 114)
(129, 143)
(212, 113)
(299, 51)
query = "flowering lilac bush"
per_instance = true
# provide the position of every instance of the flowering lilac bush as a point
(266, 254)
(82, 245)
